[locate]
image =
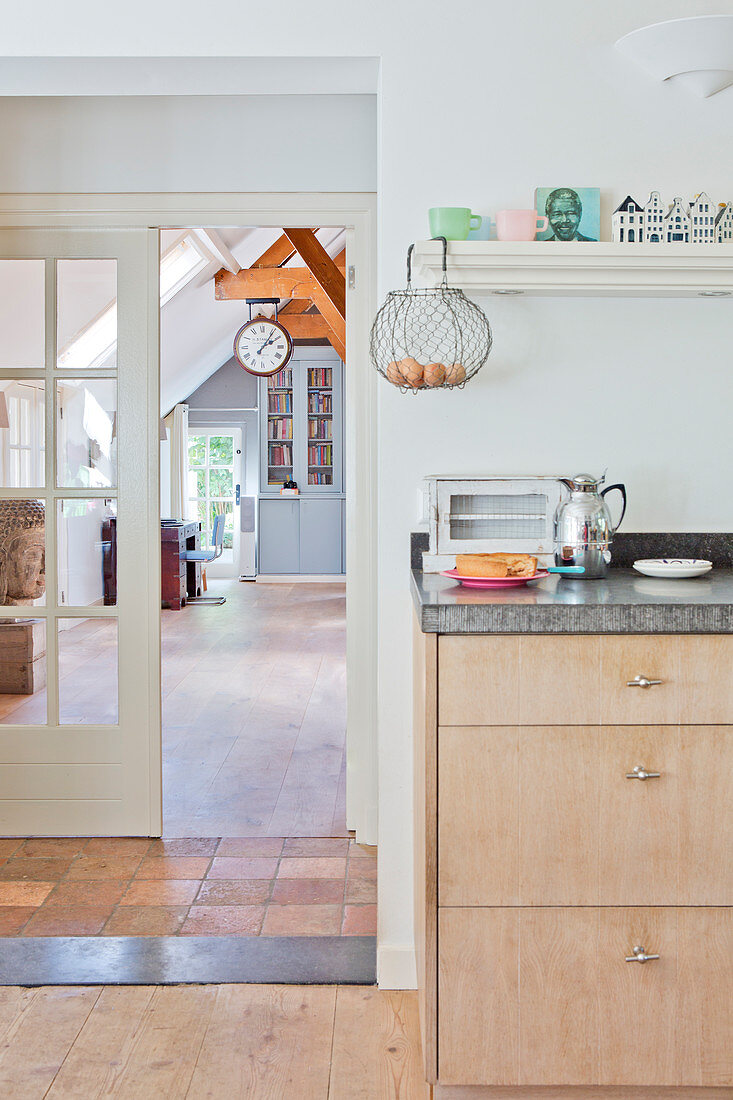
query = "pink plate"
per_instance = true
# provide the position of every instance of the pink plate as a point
(493, 582)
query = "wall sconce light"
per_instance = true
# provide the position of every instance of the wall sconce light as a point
(4, 418)
(696, 53)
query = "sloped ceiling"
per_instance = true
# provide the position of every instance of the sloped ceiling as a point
(197, 332)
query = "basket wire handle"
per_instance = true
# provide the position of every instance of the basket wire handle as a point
(409, 266)
(444, 281)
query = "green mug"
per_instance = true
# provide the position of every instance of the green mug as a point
(452, 222)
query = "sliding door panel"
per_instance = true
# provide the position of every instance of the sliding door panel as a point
(79, 535)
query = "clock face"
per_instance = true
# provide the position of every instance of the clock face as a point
(263, 346)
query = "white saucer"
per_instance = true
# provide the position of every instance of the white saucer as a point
(673, 567)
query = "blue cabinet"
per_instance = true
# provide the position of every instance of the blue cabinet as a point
(320, 535)
(279, 536)
(301, 435)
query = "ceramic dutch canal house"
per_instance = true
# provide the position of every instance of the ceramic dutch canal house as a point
(653, 219)
(724, 223)
(677, 224)
(627, 222)
(702, 220)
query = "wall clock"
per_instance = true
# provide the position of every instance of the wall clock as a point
(263, 346)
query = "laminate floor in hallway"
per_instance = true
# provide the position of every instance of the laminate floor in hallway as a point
(254, 1042)
(254, 713)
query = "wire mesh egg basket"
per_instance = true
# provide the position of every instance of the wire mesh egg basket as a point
(435, 339)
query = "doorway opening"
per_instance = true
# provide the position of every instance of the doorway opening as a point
(254, 688)
(104, 883)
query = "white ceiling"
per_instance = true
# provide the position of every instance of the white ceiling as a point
(197, 332)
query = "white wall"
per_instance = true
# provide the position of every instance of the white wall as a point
(479, 104)
(159, 143)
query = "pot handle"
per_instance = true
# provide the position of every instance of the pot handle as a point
(622, 489)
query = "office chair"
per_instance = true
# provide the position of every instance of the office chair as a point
(205, 556)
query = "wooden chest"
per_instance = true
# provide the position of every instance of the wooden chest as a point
(574, 881)
(22, 656)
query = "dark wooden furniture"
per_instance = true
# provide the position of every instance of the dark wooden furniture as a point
(109, 560)
(22, 656)
(179, 579)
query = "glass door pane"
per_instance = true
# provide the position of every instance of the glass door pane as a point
(213, 465)
(280, 427)
(320, 425)
(22, 313)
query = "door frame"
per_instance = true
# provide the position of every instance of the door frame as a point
(217, 569)
(356, 211)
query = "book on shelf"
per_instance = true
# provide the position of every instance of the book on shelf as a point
(319, 402)
(279, 429)
(320, 429)
(320, 376)
(280, 455)
(320, 454)
(320, 477)
(279, 403)
(282, 380)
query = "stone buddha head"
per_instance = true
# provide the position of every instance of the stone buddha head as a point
(22, 551)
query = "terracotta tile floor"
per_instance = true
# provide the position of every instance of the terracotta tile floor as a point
(230, 886)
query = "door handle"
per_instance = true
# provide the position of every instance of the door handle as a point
(237, 489)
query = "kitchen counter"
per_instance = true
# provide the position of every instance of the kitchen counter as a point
(624, 603)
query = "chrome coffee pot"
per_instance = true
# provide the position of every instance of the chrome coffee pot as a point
(584, 529)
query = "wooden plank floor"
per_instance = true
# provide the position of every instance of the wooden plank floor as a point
(215, 1042)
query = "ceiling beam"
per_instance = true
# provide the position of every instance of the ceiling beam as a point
(300, 305)
(294, 306)
(329, 292)
(268, 282)
(277, 254)
(213, 243)
(306, 326)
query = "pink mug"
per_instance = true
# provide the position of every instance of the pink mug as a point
(519, 225)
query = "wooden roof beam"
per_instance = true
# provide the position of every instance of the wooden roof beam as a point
(267, 282)
(330, 281)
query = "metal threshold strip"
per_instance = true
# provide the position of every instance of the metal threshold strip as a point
(172, 960)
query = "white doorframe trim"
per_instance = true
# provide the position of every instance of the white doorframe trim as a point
(357, 212)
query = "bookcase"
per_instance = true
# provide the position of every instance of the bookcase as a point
(301, 423)
(301, 438)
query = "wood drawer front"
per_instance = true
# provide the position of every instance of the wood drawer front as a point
(507, 680)
(545, 997)
(583, 680)
(546, 815)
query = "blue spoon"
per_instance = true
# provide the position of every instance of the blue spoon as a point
(565, 569)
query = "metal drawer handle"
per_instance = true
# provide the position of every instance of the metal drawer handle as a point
(640, 956)
(642, 682)
(640, 772)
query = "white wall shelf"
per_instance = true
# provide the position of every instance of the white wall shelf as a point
(592, 269)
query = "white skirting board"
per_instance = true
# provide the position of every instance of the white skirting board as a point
(300, 578)
(396, 966)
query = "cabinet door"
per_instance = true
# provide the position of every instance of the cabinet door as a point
(320, 536)
(547, 996)
(279, 536)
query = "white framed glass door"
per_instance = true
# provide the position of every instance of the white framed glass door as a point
(214, 485)
(79, 533)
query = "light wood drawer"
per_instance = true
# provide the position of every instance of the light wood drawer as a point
(545, 997)
(545, 815)
(583, 680)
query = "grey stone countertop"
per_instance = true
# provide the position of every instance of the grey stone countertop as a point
(623, 603)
